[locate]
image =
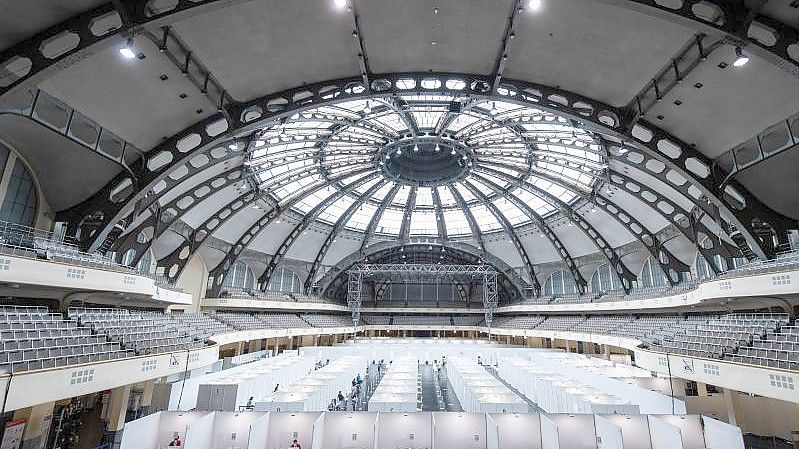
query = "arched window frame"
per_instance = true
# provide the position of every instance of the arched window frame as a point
(240, 276)
(652, 275)
(560, 282)
(284, 280)
(604, 279)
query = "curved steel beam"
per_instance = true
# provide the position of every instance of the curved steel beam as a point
(331, 236)
(528, 264)
(217, 274)
(164, 216)
(405, 226)
(175, 262)
(478, 236)
(306, 221)
(239, 119)
(372, 227)
(560, 248)
(30, 61)
(440, 225)
(626, 277)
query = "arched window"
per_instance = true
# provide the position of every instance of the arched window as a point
(560, 283)
(240, 276)
(19, 205)
(604, 279)
(652, 275)
(284, 280)
(145, 263)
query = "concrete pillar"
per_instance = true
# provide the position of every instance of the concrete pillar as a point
(606, 351)
(36, 417)
(701, 389)
(277, 346)
(731, 403)
(290, 343)
(117, 408)
(316, 340)
(147, 393)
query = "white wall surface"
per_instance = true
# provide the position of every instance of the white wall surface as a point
(395, 429)
(458, 430)
(283, 426)
(258, 432)
(608, 435)
(228, 423)
(200, 432)
(720, 435)
(575, 431)
(663, 434)
(518, 430)
(549, 433)
(141, 433)
(690, 430)
(634, 431)
(349, 430)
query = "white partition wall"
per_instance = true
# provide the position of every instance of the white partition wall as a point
(258, 432)
(663, 434)
(404, 430)
(518, 430)
(459, 430)
(398, 390)
(199, 432)
(142, 433)
(232, 430)
(479, 391)
(720, 435)
(635, 431)
(549, 433)
(691, 431)
(608, 435)
(348, 431)
(285, 427)
(575, 431)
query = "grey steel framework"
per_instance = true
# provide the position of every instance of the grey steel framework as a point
(486, 275)
(642, 145)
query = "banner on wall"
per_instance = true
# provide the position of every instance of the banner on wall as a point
(46, 423)
(12, 434)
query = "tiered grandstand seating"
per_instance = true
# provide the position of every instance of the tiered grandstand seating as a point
(34, 338)
(201, 325)
(563, 323)
(144, 332)
(321, 320)
(518, 322)
(423, 320)
(778, 348)
(468, 320)
(376, 319)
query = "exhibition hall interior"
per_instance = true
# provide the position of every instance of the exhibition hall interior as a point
(399, 224)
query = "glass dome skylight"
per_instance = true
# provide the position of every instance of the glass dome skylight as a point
(445, 158)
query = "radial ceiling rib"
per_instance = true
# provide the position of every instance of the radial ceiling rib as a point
(624, 274)
(372, 227)
(506, 226)
(405, 226)
(306, 221)
(554, 240)
(334, 232)
(475, 229)
(440, 224)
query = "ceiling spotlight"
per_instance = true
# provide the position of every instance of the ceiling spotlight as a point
(740, 58)
(494, 110)
(534, 5)
(437, 148)
(233, 146)
(367, 110)
(453, 152)
(416, 147)
(399, 151)
(340, 3)
(127, 51)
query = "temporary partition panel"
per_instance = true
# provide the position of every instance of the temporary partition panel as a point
(258, 432)
(285, 427)
(690, 429)
(175, 424)
(200, 432)
(575, 431)
(232, 430)
(663, 434)
(348, 430)
(492, 433)
(720, 435)
(549, 433)
(518, 430)
(404, 430)
(459, 430)
(318, 432)
(142, 433)
(635, 431)
(608, 435)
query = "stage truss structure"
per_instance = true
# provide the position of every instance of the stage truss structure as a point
(482, 274)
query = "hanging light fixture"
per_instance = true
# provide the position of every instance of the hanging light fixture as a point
(741, 59)
(128, 52)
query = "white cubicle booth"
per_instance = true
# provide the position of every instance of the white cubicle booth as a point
(399, 389)
(427, 430)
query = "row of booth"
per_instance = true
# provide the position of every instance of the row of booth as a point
(399, 389)
(427, 430)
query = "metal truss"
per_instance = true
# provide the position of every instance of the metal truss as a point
(220, 271)
(508, 228)
(354, 297)
(560, 248)
(626, 277)
(372, 227)
(162, 217)
(440, 224)
(337, 228)
(405, 226)
(640, 137)
(736, 21)
(475, 229)
(308, 219)
(708, 244)
(672, 266)
(490, 297)
(175, 262)
(507, 38)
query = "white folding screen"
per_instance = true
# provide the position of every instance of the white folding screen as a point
(608, 435)
(720, 435)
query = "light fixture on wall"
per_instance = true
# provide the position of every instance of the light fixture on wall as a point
(741, 59)
(128, 52)
(534, 5)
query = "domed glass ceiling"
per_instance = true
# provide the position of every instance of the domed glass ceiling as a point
(442, 157)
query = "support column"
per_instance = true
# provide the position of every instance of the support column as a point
(731, 403)
(35, 416)
(606, 351)
(117, 408)
(290, 343)
(277, 346)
